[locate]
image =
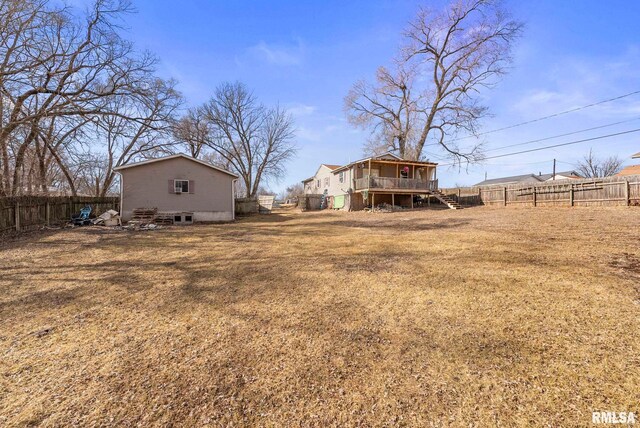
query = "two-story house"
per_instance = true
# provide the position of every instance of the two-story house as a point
(367, 182)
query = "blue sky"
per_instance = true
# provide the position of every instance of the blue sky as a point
(306, 55)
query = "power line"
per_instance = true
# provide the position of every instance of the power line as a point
(517, 163)
(557, 145)
(562, 135)
(541, 118)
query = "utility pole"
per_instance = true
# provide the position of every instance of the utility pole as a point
(554, 170)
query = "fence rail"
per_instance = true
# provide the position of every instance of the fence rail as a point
(610, 191)
(23, 213)
(391, 183)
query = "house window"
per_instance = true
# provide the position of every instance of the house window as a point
(341, 176)
(181, 186)
(319, 183)
(326, 182)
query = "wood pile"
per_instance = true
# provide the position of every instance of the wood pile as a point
(165, 219)
(143, 215)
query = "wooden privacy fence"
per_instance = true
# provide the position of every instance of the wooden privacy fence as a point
(246, 206)
(262, 204)
(30, 212)
(609, 191)
(309, 202)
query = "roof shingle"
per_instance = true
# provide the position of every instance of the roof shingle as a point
(630, 170)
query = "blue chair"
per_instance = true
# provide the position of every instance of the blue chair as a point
(82, 219)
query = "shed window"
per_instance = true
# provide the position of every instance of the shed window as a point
(181, 186)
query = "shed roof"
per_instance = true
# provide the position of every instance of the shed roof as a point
(179, 155)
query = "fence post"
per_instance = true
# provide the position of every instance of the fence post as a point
(47, 214)
(627, 193)
(571, 195)
(535, 197)
(505, 196)
(17, 215)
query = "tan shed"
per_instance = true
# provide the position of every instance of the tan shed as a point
(177, 184)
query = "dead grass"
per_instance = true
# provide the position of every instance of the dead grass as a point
(479, 317)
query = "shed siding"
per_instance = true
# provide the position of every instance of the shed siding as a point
(210, 197)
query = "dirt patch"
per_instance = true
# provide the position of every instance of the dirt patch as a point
(627, 263)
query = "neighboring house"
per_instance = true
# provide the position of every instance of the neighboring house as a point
(371, 181)
(529, 178)
(321, 180)
(631, 169)
(177, 185)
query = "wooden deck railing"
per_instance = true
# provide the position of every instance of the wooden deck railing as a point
(395, 183)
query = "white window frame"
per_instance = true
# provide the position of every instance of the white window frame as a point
(326, 182)
(319, 183)
(175, 185)
(341, 176)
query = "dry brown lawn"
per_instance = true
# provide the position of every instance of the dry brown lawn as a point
(480, 317)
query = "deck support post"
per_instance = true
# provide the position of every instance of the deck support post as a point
(48, 214)
(373, 201)
(411, 195)
(393, 201)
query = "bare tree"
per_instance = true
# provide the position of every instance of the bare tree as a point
(592, 167)
(293, 191)
(390, 108)
(135, 127)
(431, 95)
(192, 131)
(254, 140)
(55, 65)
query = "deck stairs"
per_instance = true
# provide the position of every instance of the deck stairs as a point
(447, 200)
